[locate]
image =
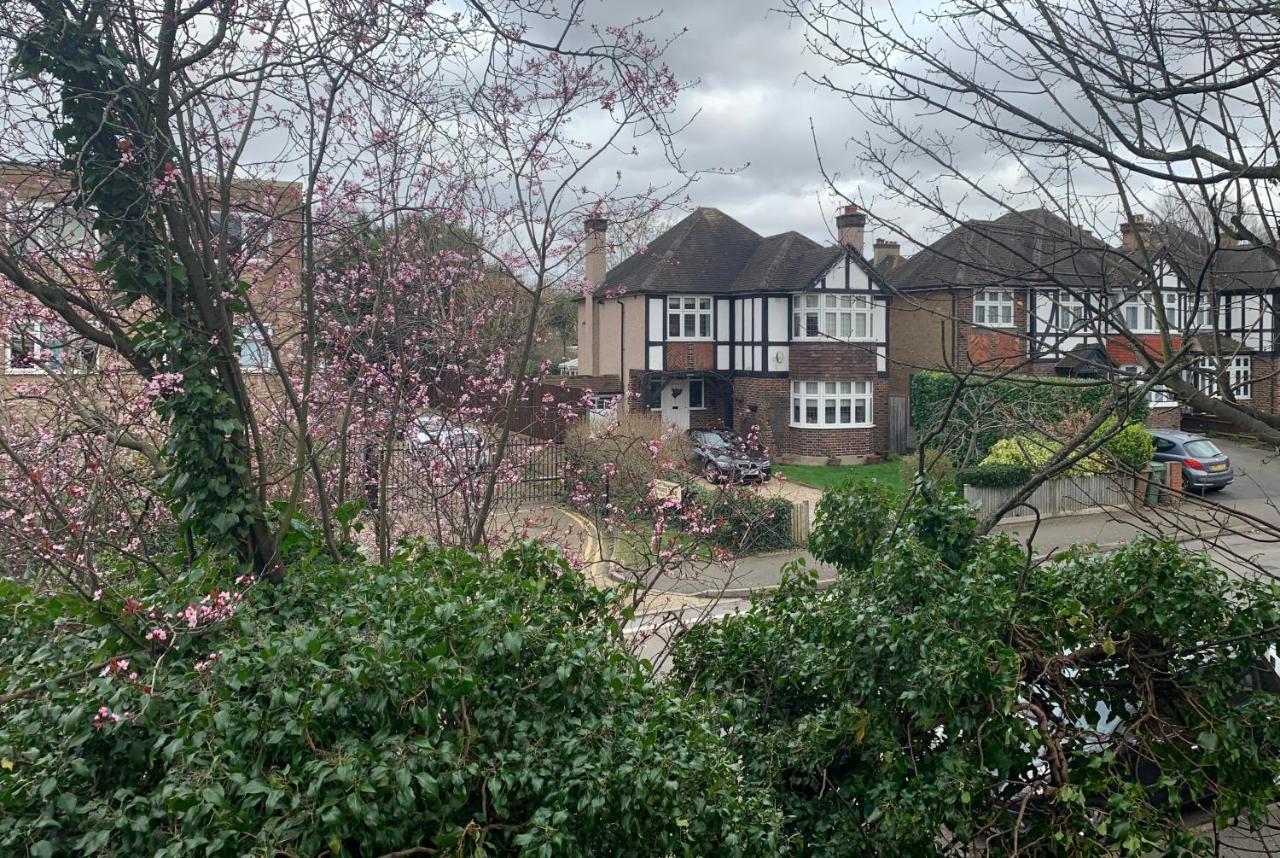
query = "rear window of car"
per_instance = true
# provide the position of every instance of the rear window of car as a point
(1203, 448)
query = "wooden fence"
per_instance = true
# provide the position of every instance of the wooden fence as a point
(1058, 497)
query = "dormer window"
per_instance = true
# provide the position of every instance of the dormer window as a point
(688, 318)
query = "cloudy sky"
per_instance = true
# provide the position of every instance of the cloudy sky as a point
(753, 112)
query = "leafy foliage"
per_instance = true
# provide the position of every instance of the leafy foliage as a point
(744, 521)
(920, 706)
(445, 700)
(988, 410)
(1133, 447)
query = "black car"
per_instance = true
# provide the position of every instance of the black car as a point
(720, 455)
(1204, 466)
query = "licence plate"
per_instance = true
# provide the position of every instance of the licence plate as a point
(1217, 467)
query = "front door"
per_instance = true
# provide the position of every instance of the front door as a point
(675, 403)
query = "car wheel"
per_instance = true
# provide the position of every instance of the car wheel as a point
(711, 473)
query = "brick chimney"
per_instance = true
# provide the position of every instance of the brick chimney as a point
(850, 227)
(1130, 231)
(594, 264)
(884, 249)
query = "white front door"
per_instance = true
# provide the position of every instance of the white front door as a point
(675, 403)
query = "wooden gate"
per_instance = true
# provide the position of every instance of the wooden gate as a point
(899, 422)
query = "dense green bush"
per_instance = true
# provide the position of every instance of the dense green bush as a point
(1132, 447)
(445, 701)
(855, 522)
(984, 414)
(1034, 452)
(746, 523)
(918, 707)
(939, 465)
(994, 476)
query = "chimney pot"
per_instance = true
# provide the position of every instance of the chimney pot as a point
(883, 249)
(851, 226)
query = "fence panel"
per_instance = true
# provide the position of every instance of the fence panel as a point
(1056, 497)
(800, 523)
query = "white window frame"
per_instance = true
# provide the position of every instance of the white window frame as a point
(250, 333)
(827, 401)
(686, 310)
(1158, 396)
(1240, 377)
(1239, 372)
(1070, 304)
(841, 317)
(1139, 313)
(993, 308)
(42, 352)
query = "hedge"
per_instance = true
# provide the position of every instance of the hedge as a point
(994, 476)
(1035, 400)
(747, 523)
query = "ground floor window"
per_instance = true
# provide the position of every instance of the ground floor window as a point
(1158, 396)
(831, 404)
(696, 394)
(1239, 376)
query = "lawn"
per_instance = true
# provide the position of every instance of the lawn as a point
(823, 477)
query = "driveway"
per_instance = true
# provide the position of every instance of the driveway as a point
(1256, 489)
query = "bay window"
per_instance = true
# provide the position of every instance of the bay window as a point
(832, 317)
(1139, 313)
(831, 404)
(993, 308)
(688, 318)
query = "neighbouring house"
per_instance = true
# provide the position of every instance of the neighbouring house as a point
(714, 325)
(1032, 293)
(38, 218)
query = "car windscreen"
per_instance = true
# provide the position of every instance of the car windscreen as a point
(1203, 448)
(711, 439)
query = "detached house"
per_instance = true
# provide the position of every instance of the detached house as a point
(714, 325)
(1032, 293)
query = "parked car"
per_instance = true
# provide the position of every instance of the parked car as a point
(720, 455)
(1204, 467)
(461, 445)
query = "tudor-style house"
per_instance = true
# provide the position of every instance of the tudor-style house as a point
(1032, 293)
(714, 325)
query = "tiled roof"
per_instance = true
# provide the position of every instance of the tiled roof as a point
(709, 252)
(1019, 248)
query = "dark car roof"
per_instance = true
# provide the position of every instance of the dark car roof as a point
(1177, 435)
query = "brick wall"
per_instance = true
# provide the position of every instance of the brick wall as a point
(1266, 385)
(1165, 418)
(991, 349)
(685, 356)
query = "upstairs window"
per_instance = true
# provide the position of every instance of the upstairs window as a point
(1071, 313)
(245, 233)
(833, 317)
(1139, 313)
(33, 346)
(254, 354)
(688, 318)
(993, 308)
